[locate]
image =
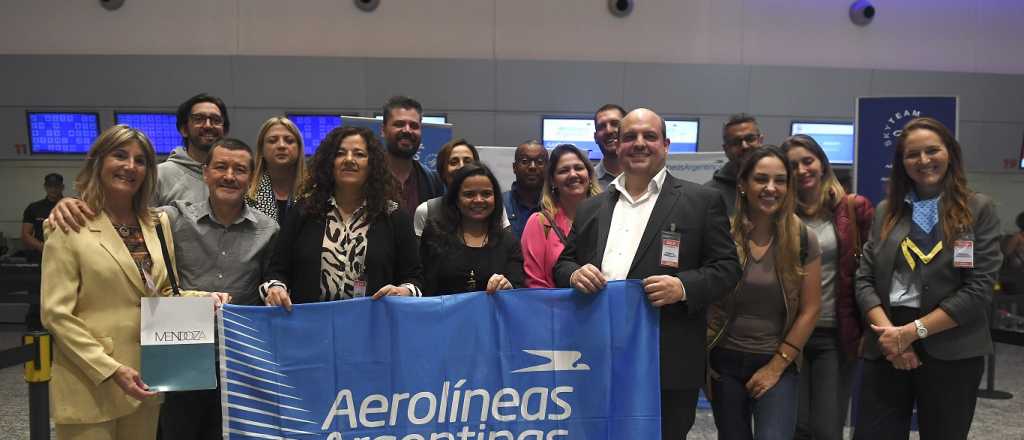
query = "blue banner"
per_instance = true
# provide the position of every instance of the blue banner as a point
(879, 122)
(433, 137)
(529, 364)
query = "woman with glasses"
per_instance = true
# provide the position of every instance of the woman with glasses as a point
(569, 179)
(839, 221)
(466, 249)
(280, 168)
(345, 237)
(925, 283)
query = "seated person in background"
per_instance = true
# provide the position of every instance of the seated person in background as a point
(346, 237)
(467, 250)
(524, 198)
(569, 179)
(222, 246)
(450, 158)
(35, 213)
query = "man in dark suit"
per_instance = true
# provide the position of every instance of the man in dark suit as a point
(672, 234)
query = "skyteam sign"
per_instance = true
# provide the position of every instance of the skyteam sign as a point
(520, 365)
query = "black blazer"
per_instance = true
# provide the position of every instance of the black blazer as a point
(391, 254)
(965, 294)
(708, 266)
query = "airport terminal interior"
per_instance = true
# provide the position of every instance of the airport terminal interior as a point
(502, 72)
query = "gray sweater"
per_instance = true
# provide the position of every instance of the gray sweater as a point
(180, 178)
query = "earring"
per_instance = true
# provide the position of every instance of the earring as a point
(742, 193)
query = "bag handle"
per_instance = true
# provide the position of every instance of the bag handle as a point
(553, 225)
(167, 257)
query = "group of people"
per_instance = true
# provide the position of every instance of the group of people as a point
(771, 279)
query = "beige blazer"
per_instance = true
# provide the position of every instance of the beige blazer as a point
(90, 300)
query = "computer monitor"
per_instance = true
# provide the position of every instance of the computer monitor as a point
(62, 132)
(427, 119)
(836, 138)
(160, 128)
(683, 135)
(314, 128)
(580, 132)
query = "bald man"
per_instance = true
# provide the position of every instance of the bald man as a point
(673, 235)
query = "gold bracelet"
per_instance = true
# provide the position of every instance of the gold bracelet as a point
(784, 356)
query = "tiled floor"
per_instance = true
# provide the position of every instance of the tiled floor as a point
(994, 419)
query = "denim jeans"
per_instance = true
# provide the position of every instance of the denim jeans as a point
(824, 388)
(774, 414)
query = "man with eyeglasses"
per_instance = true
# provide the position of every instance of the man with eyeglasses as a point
(740, 135)
(201, 120)
(524, 198)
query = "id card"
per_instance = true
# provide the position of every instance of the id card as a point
(670, 248)
(963, 254)
(359, 289)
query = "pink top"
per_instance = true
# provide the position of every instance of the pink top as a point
(541, 249)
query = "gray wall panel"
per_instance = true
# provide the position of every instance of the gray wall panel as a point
(983, 97)
(790, 91)
(476, 127)
(558, 86)
(687, 88)
(439, 85)
(287, 82)
(988, 146)
(512, 128)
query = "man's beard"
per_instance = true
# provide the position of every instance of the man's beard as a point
(397, 150)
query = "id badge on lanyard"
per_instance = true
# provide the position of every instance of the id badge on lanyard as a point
(670, 243)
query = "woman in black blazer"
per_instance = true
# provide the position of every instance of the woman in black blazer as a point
(467, 249)
(925, 283)
(346, 238)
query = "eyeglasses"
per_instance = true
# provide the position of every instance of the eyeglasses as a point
(199, 119)
(739, 140)
(526, 161)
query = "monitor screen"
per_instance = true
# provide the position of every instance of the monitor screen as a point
(580, 132)
(427, 119)
(1022, 154)
(836, 138)
(314, 128)
(62, 132)
(566, 130)
(683, 135)
(160, 128)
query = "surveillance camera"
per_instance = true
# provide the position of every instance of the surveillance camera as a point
(862, 12)
(620, 8)
(367, 5)
(111, 5)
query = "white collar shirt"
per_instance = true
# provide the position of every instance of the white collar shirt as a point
(628, 223)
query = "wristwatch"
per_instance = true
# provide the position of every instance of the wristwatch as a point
(922, 331)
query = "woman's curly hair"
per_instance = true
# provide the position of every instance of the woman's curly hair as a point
(379, 189)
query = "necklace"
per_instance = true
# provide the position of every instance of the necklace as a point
(124, 230)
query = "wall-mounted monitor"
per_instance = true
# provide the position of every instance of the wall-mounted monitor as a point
(160, 128)
(62, 132)
(427, 119)
(682, 133)
(314, 128)
(836, 138)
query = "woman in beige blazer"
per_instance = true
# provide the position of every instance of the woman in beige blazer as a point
(92, 285)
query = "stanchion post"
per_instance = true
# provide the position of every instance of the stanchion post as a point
(37, 374)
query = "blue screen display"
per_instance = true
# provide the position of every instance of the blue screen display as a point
(834, 137)
(62, 133)
(314, 128)
(580, 132)
(161, 128)
(442, 119)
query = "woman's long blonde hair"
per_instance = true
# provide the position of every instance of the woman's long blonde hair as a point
(261, 164)
(89, 184)
(787, 224)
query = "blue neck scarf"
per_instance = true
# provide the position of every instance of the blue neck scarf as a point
(925, 213)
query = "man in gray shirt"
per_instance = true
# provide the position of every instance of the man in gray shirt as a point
(606, 135)
(222, 245)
